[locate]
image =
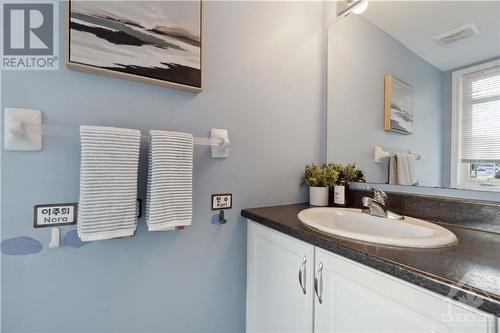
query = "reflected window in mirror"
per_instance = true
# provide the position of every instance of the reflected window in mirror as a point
(476, 130)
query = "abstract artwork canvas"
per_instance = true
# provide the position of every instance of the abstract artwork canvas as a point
(157, 42)
(398, 106)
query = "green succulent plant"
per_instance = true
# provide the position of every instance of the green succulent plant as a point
(321, 176)
(348, 173)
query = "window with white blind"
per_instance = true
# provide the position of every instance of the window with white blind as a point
(476, 127)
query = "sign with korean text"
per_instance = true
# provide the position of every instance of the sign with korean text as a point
(54, 215)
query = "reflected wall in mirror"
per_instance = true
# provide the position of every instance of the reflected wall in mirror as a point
(447, 122)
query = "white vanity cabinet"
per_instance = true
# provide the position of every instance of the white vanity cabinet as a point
(350, 297)
(279, 282)
(355, 298)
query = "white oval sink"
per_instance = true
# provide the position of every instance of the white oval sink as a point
(353, 223)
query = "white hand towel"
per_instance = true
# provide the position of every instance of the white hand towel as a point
(170, 181)
(108, 182)
(406, 169)
(393, 170)
(412, 167)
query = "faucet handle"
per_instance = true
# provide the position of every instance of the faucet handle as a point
(378, 195)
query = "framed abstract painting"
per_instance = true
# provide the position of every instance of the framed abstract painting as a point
(158, 42)
(398, 105)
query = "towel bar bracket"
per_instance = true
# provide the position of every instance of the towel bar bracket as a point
(380, 154)
(222, 150)
(24, 131)
(17, 136)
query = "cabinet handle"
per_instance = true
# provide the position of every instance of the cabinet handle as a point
(302, 275)
(318, 283)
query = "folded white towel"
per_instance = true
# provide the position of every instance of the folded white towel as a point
(412, 168)
(170, 181)
(108, 182)
(406, 169)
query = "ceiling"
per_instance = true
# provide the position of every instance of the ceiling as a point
(415, 23)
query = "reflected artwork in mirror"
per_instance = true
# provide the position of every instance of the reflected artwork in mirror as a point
(417, 83)
(398, 105)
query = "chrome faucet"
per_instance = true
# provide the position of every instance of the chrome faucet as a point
(376, 205)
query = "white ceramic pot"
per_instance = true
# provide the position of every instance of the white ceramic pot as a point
(318, 196)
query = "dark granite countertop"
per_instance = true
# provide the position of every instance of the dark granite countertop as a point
(469, 269)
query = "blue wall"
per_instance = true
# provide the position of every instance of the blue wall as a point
(263, 82)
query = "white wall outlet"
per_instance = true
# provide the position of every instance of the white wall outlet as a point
(222, 201)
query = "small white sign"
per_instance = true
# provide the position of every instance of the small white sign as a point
(54, 215)
(222, 201)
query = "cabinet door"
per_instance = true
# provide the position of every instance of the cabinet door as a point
(355, 298)
(279, 282)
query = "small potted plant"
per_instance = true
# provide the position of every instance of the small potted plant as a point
(319, 179)
(353, 174)
(346, 175)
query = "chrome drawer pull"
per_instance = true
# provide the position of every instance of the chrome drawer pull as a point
(302, 275)
(318, 283)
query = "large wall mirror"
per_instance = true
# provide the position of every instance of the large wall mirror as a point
(414, 93)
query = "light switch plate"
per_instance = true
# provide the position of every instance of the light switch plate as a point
(16, 137)
(222, 201)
